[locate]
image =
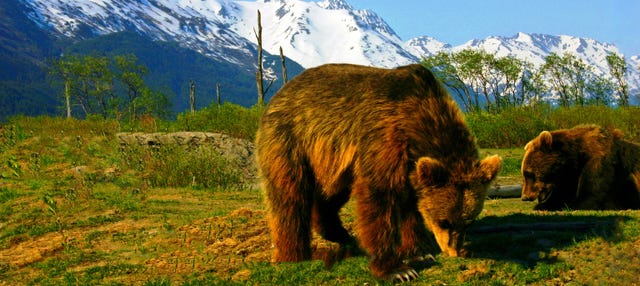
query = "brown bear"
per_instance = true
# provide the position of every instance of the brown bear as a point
(394, 140)
(586, 167)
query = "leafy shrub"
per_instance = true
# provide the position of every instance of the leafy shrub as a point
(228, 118)
(516, 126)
(175, 166)
(510, 128)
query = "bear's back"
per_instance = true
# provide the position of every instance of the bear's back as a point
(353, 83)
(342, 104)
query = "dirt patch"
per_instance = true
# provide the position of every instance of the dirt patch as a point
(35, 249)
(216, 244)
(32, 250)
(226, 246)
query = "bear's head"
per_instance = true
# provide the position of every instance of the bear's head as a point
(550, 171)
(449, 199)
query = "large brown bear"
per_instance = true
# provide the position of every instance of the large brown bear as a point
(394, 140)
(586, 167)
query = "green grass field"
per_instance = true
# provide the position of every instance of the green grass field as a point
(77, 209)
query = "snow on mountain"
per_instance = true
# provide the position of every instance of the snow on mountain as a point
(195, 24)
(314, 33)
(535, 47)
(310, 33)
(425, 46)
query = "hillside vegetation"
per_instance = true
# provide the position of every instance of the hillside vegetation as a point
(78, 208)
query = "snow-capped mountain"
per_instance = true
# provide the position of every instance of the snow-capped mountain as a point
(534, 48)
(314, 33)
(310, 33)
(425, 46)
(198, 25)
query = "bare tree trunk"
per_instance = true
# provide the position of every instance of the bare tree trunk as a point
(67, 97)
(192, 96)
(218, 93)
(259, 75)
(284, 67)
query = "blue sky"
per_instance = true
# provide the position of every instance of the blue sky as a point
(457, 21)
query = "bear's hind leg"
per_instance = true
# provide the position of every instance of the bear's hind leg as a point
(327, 223)
(326, 217)
(290, 200)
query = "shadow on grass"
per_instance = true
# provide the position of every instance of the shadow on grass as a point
(529, 239)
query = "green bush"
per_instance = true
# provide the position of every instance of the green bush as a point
(228, 118)
(510, 128)
(516, 126)
(175, 166)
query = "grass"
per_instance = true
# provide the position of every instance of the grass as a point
(514, 127)
(76, 209)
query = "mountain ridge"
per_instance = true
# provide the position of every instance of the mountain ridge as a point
(310, 34)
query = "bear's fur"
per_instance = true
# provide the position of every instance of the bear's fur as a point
(394, 140)
(586, 167)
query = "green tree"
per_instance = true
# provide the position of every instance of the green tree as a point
(568, 77)
(471, 69)
(130, 73)
(441, 64)
(153, 102)
(66, 68)
(91, 84)
(618, 70)
(506, 72)
(532, 84)
(600, 90)
(108, 87)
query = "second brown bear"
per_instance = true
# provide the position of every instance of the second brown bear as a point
(392, 139)
(585, 167)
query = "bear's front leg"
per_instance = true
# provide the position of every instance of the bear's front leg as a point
(418, 244)
(378, 227)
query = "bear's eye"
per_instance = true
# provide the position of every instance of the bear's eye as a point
(463, 186)
(529, 175)
(445, 224)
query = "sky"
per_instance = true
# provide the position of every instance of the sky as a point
(458, 21)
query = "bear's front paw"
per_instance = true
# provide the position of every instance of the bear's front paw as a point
(402, 275)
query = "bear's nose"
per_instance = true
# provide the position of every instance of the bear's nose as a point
(528, 196)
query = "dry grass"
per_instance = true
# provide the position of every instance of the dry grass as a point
(75, 214)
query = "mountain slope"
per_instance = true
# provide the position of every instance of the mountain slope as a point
(310, 33)
(219, 36)
(314, 33)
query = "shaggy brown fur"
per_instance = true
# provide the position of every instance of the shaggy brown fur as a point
(586, 167)
(394, 140)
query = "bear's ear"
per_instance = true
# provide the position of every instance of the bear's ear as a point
(489, 167)
(431, 172)
(545, 139)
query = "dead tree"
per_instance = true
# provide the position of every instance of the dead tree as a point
(259, 73)
(218, 92)
(192, 96)
(284, 67)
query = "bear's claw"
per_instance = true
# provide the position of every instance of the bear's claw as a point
(405, 275)
(420, 258)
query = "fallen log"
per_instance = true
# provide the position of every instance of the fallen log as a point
(509, 191)
(540, 226)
